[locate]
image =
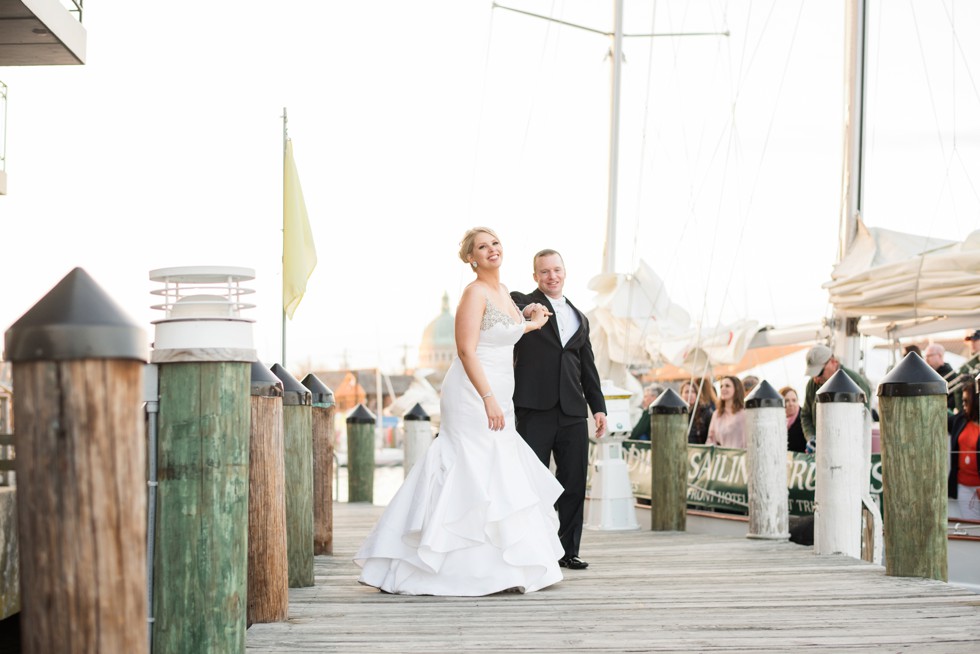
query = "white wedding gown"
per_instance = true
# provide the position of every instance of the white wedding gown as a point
(476, 515)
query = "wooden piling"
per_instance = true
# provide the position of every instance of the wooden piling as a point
(268, 566)
(201, 570)
(81, 458)
(668, 462)
(324, 408)
(765, 433)
(360, 455)
(298, 436)
(912, 402)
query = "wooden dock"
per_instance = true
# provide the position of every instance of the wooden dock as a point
(644, 592)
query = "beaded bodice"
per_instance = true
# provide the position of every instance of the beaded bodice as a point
(494, 316)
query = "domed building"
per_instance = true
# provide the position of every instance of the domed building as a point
(438, 345)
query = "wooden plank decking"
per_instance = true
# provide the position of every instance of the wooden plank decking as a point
(644, 592)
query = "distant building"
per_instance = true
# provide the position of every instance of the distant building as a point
(353, 387)
(438, 346)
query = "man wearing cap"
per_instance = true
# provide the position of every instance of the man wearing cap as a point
(821, 364)
(972, 365)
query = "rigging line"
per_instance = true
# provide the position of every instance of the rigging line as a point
(963, 55)
(765, 145)
(925, 72)
(479, 119)
(643, 139)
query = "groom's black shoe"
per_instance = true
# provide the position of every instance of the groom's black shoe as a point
(572, 563)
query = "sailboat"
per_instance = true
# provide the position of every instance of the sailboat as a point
(901, 305)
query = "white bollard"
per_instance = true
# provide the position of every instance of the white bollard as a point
(611, 502)
(418, 437)
(765, 429)
(840, 448)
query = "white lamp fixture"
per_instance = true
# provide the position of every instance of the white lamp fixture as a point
(203, 322)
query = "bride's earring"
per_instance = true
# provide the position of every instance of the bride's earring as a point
(473, 263)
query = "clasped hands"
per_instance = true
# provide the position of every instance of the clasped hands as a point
(536, 313)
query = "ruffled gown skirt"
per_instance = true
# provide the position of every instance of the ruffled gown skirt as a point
(475, 516)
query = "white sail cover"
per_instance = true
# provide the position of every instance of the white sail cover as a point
(635, 322)
(905, 285)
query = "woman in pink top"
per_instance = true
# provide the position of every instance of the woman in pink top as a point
(727, 427)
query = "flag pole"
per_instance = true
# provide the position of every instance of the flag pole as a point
(282, 265)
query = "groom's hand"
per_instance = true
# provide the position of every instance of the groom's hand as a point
(600, 425)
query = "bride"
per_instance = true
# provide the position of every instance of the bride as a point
(476, 515)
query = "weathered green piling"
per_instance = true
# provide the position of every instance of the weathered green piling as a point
(298, 436)
(204, 352)
(668, 462)
(360, 455)
(324, 408)
(912, 401)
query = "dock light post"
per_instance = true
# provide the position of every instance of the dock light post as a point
(324, 408)
(204, 350)
(418, 436)
(360, 455)
(268, 568)
(765, 429)
(297, 418)
(912, 399)
(668, 462)
(611, 502)
(81, 462)
(837, 516)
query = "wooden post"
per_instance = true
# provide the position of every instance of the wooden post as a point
(668, 462)
(324, 407)
(268, 567)
(360, 455)
(298, 436)
(837, 518)
(204, 351)
(765, 430)
(912, 398)
(81, 463)
(418, 436)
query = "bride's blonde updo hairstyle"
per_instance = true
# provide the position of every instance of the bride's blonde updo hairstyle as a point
(466, 245)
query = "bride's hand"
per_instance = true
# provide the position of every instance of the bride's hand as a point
(539, 315)
(495, 415)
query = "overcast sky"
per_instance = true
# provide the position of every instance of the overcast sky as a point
(414, 121)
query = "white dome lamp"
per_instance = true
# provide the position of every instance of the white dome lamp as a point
(203, 322)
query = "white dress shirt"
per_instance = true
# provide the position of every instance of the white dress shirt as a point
(566, 317)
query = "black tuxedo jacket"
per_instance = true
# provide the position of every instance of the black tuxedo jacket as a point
(547, 375)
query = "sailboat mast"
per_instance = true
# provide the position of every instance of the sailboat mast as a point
(616, 53)
(847, 345)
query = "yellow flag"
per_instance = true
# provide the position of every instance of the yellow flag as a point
(298, 250)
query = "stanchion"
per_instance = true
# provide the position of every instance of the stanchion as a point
(418, 436)
(668, 462)
(360, 455)
(324, 408)
(765, 429)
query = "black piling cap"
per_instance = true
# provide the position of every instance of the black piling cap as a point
(75, 320)
(910, 378)
(322, 395)
(264, 383)
(840, 388)
(360, 416)
(763, 396)
(416, 413)
(668, 402)
(293, 392)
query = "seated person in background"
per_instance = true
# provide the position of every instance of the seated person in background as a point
(700, 398)
(641, 431)
(727, 428)
(964, 471)
(749, 382)
(795, 440)
(935, 356)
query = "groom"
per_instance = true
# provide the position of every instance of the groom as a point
(555, 383)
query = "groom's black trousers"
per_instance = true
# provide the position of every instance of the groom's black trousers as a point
(567, 437)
